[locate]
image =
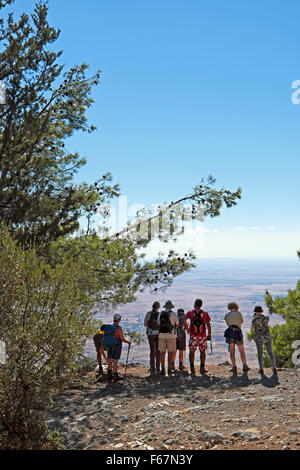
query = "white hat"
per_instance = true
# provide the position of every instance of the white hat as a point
(117, 316)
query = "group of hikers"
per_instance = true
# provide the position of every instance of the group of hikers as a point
(166, 333)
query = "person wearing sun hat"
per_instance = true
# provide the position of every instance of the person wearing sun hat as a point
(262, 336)
(167, 326)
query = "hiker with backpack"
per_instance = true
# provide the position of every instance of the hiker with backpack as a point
(100, 349)
(262, 336)
(113, 338)
(151, 323)
(234, 336)
(180, 339)
(167, 325)
(199, 330)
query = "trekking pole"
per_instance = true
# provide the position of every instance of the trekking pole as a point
(127, 358)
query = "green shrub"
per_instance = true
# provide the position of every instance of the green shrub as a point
(44, 324)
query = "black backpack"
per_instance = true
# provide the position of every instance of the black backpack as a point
(165, 325)
(181, 330)
(152, 322)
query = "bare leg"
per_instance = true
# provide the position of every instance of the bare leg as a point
(115, 365)
(181, 356)
(232, 354)
(203, 357)
(174, 358)
(192, 357)
(242, 353)
(99, 358)
(102, 350)
(170, 359)
(162, 359)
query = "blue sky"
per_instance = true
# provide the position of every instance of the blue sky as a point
(188, 89)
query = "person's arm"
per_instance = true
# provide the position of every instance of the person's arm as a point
(208, 328)
(186, 326)
(102, 350)
(122, 337)
(146, 320)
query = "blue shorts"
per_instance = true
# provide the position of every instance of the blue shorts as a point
(114, 352)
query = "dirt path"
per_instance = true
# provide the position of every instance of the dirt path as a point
(216, 411)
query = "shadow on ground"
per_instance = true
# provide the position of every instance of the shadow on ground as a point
(133, 385)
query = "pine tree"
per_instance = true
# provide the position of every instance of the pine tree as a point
(44, 105)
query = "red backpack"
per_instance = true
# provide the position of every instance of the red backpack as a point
(198, 323)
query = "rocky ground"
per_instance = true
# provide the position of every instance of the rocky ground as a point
(216, 411)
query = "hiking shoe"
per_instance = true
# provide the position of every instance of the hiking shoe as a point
(246, 368)
(152, 373)
(109, 375)
(234, 370)
(203, 371)
(181, 366)
(163, 371)
(193, 371)
(116, 377)
(275, 371)
(170, 371)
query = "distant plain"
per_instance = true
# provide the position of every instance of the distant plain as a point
(217, 282)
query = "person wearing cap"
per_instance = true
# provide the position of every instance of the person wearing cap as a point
(114, 353)
(167, 326)
(262, 336)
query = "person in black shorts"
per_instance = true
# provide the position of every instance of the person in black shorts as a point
(180, 339)
(114, 353)
(234, 335)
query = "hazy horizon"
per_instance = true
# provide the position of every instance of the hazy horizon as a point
(217, 282)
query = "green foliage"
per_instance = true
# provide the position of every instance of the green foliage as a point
(53, 277)
(44, 322)
(288, 307)
(135, 337)
(44, 105)
(110, 272)
(284, 335)
(168, 221)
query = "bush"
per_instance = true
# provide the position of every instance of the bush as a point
(44, 323)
